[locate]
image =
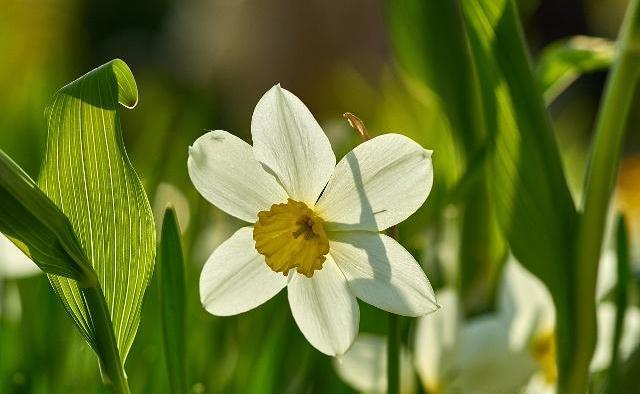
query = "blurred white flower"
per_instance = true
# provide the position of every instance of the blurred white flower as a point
(13, 262)
(529, 308)
(499, 352)
(315, 226)
(449, 355)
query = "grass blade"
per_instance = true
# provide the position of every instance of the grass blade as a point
(173, 301)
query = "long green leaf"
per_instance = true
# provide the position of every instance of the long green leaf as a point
(36, 225)
(563, 62)
(173, 301)
(600, 181)
(87, 174)
(526, 180)
(431, 45)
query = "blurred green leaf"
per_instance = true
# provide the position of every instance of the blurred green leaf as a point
(36, 225)
(563, 62)
(623, 268)
(87, 174)
(173, 301)
(431, 45)
(526, 179)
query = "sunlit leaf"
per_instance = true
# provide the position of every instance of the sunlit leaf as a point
(173, 301)
(431, 45)
(563, 62)
(36, 225)
(87, 174)
(526, 181)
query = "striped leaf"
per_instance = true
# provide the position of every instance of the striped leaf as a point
(87, 174)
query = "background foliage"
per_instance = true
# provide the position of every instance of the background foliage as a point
(202, 64)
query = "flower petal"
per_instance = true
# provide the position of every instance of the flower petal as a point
(324, 309)
(223, 169)
(607, 274)
(526, 303)
(13, 262)
(606, 313)
(382, 273)
(290, 142)
(487, 363)
(436, 338)
(236, 278)
(378, 184)
(364, 366)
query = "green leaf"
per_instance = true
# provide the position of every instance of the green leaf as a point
(563, 62)
(621, 291)
(173, 301)
(431, 45)
(36, 225)
(526, 179)
(87, 174)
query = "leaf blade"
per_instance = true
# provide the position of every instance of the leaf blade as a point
(87, 173)
(173, 301)
(36, 225)
(563, 62)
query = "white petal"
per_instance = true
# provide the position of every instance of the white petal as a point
(487, 363)
(606, 313)
(364, 366)
(290, 142)
(436, 338)
(223, 169)
(13, 262)
(236, 278)
(382, 273)
(538, 384)
(526, 302)
(324, 309)
(607, 274)
(378, 184)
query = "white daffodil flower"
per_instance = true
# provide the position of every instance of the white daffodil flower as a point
(315, 226)
(13, 262)
(529, 307)
(449, 355)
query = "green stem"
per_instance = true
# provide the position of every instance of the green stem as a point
(393, 356)
(111, 368)
(393, 342)
(600, 180)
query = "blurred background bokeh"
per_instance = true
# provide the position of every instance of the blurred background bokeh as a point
(202, 65)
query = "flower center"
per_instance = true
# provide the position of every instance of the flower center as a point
(291, 236)
(543, 349)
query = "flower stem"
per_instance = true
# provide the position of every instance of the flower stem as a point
(600, 180)
(393, 355)
(111, 368)
(393, 342)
